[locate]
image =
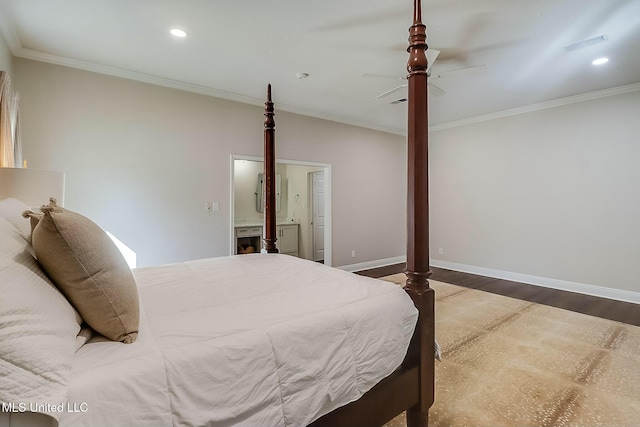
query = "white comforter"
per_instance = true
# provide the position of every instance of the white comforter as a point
(255, 340)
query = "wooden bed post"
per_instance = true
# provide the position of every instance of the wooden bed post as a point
(269, 176)
(421, 349)
(411, 387)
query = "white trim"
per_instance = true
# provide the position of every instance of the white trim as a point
(18, 51)
(373, 264)
(35, 55)
(13, 41)
(540, 106)
(328, 215)
(15, 45)
(581, 288)
(546, 282)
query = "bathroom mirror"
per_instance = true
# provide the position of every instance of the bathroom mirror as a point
(260, 192)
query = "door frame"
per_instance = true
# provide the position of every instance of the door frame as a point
(326, 167)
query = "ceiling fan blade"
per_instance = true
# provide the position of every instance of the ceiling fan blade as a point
(435, 90)
(432, 54)
(459, 71)
(382, 76)
(389, 92)
(369, 20)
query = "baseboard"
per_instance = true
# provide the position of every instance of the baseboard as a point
(581, 288)
(546, 282)
(373, 264)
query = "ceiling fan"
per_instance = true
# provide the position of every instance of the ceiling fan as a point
(447, 55)
(433, 89)
(432, 54)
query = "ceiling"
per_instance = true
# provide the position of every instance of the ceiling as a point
(234, 48)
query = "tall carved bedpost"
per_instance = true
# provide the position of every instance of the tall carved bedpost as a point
(269, 176)
(421, 350)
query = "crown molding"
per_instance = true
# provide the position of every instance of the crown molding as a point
(132, 75)
(13, 41)
(35, 55)
(540, 106)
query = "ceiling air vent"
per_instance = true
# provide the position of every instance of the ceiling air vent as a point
(398, 101)
(585, 43)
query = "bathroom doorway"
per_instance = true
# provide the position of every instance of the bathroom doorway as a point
(297, 204)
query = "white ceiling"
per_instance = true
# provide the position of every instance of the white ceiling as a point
(235, 48)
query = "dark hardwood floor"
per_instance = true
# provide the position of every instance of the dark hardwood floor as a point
(620, 311)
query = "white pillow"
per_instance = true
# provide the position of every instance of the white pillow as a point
(11, 210)
(38, 327)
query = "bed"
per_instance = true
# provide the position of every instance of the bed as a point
(261, 339)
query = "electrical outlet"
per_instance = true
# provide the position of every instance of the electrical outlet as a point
(440, 251)
(353, 254)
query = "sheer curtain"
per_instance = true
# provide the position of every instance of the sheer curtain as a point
(10, 143)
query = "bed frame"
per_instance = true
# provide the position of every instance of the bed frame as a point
(411, 387)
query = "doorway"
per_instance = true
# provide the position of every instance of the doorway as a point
(296, 202)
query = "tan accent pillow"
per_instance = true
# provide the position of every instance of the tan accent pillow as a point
(88, 268)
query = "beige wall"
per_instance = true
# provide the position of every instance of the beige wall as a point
(550, 194)
(6, 58)
(553, 193)
(143, 161)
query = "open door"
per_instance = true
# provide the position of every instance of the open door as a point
(317, 221)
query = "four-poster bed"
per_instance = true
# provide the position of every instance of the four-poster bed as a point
(259, 339)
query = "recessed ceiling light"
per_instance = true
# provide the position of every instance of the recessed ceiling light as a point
(302, 75)
(177, 32)
(600, 61)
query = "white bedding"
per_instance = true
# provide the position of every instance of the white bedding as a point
(38, 329)
(255, 340)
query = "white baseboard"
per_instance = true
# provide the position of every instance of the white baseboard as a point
(564, 285)
(581, 288)
(373, 264)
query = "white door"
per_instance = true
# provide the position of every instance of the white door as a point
(317, 221)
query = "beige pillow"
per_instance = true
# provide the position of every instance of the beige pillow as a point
(88, 268)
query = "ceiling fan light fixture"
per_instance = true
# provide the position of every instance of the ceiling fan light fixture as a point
(600, 61)
(178, 32)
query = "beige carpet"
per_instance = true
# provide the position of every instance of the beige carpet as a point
(508, 362)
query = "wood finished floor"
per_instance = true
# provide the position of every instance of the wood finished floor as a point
(620, 311)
